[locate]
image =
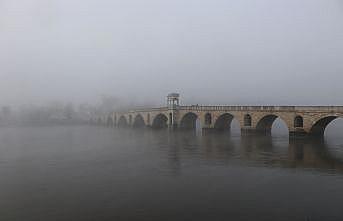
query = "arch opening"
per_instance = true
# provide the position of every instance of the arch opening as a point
(138, 122)
(223, 122)
(272, 124)
(109, 122)
(318, 129)
(208, 119)
(160, 121)
(122, 122)
(298, 122)
(189, 121)
(247, 120)
(130, 119)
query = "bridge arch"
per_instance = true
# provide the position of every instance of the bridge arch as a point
(189, 121)
(223, 122)
(160, 121)
(122, 122)
(318, 128)
(138, 122)
(265, 124)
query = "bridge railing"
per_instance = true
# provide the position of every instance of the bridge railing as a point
(263, 108)
(338, 109)
(228, 108)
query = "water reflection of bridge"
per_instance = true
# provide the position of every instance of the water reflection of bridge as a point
(311, 154)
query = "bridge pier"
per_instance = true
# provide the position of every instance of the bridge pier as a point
(298, 134)
(173, 127)
(248, 131)
(208, 130)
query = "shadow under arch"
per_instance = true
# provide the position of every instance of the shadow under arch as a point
(189, 121)
(318, 129)
(265, 124)
(160, 121)
(122, 122)
(224, 122)
(138, 122)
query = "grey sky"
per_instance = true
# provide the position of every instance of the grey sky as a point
(229, 52)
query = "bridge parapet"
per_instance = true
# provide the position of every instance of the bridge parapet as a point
(264, 108)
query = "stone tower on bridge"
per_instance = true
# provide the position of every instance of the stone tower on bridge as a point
(173, 104)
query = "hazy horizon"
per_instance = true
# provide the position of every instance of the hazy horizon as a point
(248, 52)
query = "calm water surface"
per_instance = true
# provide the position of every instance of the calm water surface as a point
(94, 173)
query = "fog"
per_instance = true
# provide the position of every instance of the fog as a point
(71, 71)
(212, 52)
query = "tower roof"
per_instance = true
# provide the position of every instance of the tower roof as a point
(174, 95)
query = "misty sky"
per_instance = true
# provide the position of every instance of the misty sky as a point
(213, 51)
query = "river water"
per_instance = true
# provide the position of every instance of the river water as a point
(96, 173)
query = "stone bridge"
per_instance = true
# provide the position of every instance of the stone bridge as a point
(300, 120)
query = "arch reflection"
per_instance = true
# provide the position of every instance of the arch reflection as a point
(213, 149)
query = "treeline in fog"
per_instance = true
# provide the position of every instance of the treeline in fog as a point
(53, 113)
(60, 112)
